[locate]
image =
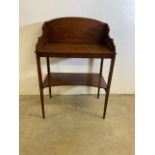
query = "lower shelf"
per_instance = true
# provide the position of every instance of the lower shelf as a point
(87, 79)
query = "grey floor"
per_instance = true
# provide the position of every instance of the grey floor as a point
(74, 126)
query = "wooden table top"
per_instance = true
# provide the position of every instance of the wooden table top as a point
(82, 50)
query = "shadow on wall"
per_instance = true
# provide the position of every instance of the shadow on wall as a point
(28, 72)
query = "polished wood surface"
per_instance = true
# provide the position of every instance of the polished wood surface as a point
(75, 37)
(75, 29)
(87, 79)
(80, 50)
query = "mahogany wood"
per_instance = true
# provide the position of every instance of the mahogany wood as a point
(48, 71)
(75, 37)
(40, 86)
(108, 85)
(77, 50)
(87, 79)
(100, 73)
(76, 29)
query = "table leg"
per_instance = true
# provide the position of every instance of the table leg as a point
(100, 73)
(48, 71)
(40, 85)
(108, 85)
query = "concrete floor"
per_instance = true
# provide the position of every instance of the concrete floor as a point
(74, 126)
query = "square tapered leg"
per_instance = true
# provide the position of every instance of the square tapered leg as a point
(108, 85)
(40, 85)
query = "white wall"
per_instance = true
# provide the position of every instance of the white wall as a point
(118, 14)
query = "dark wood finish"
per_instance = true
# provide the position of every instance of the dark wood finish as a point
(75, 37)
(48, 72)
(75, 29)
(87, 79)
(100, 73)
(40, 86)
(108, 85)
(77, 50)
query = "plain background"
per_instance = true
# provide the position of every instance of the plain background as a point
(118, 14)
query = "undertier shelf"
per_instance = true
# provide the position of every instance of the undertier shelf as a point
(86, 79)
